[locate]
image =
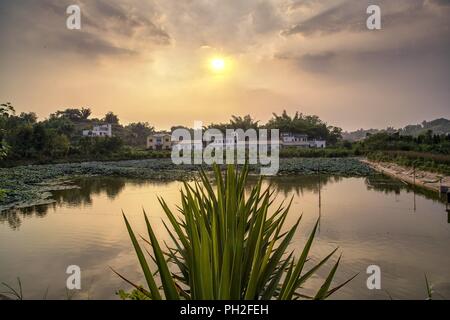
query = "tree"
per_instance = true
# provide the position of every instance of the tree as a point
(310, 125)
(29, 117)
(22, 142)
(58, 145)
(111, 118)
(138, 132)
(61, 125)
(4, 147)
(245, 123)
(73, 114)
(6, 109)
(85, 113)
(335, 134)
(236, 122)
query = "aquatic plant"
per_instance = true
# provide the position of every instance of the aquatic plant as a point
(228, 244)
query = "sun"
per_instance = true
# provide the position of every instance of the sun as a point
(217, 65)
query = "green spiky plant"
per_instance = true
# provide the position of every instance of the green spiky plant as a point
(228, 245)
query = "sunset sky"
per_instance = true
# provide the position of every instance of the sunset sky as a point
(150, 60)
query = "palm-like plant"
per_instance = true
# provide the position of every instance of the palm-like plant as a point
(228, 245)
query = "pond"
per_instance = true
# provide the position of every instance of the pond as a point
(373, 221)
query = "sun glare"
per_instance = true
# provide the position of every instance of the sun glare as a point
(217, 65)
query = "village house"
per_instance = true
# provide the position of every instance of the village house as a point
(163, 141)
(99, 131)
(298, 140)
(159, 141)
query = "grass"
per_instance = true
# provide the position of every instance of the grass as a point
(228, 245)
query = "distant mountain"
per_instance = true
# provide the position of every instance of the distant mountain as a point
(438, 126)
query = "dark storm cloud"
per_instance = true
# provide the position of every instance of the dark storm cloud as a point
(108, 27)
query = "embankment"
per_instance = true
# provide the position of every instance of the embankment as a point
(425, 179)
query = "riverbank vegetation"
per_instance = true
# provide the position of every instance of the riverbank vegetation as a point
(411, 159)
(426, 152)
(26, 140)
(228, 245)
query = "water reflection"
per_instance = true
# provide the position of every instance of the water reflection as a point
(82, 196)
(14, 217)
(90, 188)
(301, 184)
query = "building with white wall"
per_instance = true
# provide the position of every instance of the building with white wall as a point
(297, 140)
(104, 130)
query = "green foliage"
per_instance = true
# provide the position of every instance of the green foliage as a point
(98, 146)
(75, 115)
(236, 122)
(422, 161)
(111, 118)
(6, 109)
(138, 133)
(2, 194)
(395, 142)
(133, 294)
(4, 147)
(305, 124)
(229, 245)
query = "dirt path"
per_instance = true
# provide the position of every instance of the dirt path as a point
(429, 180)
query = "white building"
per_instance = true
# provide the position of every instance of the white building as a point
(99, 131)
(300, 141)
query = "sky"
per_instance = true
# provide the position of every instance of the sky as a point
(149, 60)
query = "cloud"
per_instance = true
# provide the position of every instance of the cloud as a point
(108, 28)
(351, 16)
(336, 36)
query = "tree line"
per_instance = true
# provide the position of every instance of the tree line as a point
(23, 137)
(59, 136)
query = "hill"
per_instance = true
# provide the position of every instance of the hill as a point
(438, 126)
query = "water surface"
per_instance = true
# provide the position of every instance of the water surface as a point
(373, 221)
